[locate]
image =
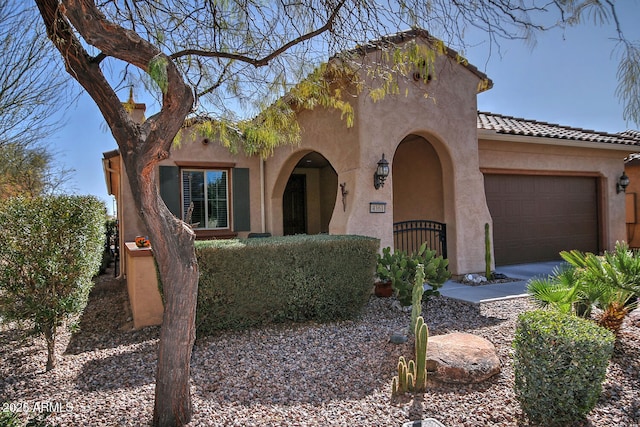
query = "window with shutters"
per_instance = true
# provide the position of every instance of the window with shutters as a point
(214, 198)
(205, 198)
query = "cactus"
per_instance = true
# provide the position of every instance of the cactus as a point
(418, 290)
(487, 252)
(412, 376)
(422, 336)
(400, 383)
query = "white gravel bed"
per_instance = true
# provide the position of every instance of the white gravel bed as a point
(336, 374)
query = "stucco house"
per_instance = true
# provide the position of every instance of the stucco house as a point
(541, 187)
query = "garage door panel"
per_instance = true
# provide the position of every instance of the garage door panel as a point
(536, 217)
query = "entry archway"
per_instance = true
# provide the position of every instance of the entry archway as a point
(418, 196)
(309, 196)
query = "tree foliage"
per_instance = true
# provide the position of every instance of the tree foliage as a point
(51, 248)
(29, 172)
(32, 92)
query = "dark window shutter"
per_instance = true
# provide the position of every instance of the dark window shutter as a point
(170, 188)
(241, 200)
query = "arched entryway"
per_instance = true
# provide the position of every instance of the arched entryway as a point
(309, 196)
(418, 196)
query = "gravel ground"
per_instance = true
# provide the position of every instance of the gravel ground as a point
(309, 374)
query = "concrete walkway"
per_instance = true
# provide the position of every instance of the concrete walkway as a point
(500, 291)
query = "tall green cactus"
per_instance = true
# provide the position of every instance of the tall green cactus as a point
(487, 252)
(422, 336)
(412, 376)
(416, 297)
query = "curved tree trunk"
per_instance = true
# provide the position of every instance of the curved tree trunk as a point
(173, 248)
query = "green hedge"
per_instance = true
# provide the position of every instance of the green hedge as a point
(251, 282)
(560, 362)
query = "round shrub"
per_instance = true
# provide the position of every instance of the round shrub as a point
(560, 363)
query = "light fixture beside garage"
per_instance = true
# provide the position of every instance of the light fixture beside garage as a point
(623, 182)
(382, 172)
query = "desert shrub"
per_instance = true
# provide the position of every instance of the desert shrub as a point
(560, 362)
(400, 268)
(252, 282)
(51, 248)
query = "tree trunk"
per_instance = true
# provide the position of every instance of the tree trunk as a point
(177, 336)
(50, 337)
(173, 248)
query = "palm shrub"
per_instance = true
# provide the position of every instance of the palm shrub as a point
(51, 248)
(614, 279)
(559, 291)
(560, 362)
(609, 282)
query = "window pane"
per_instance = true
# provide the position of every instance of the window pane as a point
(218, 216)
(193, 192)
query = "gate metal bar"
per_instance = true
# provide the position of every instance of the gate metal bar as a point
(408, 236)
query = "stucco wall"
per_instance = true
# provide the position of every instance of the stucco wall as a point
(133, 225)
(323, 131)
(446, 118)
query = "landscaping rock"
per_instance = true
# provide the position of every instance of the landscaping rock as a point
(461, 358)
(398, 338)
(474, 279)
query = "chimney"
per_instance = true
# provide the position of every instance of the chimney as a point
(135, 110)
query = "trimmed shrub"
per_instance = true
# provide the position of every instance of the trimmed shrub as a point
(51, 248)
(251, 282)
(560, 362)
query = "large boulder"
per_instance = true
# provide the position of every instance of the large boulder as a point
(461, 358)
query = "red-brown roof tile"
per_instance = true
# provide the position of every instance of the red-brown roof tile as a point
(518, 126)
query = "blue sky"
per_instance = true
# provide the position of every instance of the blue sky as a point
(568, 78)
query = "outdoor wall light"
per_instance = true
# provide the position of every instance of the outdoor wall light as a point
(623, 182)
(382, 172)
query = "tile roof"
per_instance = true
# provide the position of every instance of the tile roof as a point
(517, 126)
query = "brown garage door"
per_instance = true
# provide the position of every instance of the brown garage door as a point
(536, 217)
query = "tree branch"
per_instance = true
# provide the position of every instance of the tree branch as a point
(261, 62)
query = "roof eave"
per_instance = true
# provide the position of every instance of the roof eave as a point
(492, 135)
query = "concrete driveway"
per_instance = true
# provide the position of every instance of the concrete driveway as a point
(500, 291)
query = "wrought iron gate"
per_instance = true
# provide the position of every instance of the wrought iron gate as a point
(408, 236)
